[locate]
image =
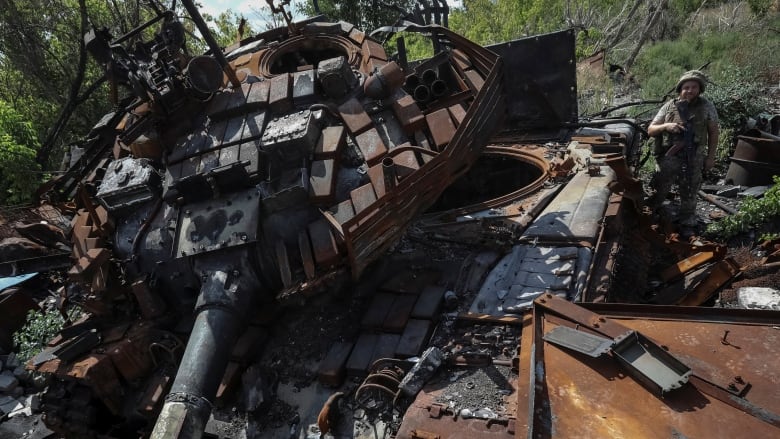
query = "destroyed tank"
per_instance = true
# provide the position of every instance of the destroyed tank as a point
(267, 172)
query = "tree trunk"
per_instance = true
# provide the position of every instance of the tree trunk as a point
(47, 146)
(652, 19)
(614, 39)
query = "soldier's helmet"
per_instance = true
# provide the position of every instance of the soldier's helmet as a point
(692, 75)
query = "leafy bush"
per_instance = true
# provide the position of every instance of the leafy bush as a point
(39, 329)
(753, 213)
(19, 173)
(737, 95)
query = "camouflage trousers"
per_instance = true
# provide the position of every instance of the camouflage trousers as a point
(669, 171)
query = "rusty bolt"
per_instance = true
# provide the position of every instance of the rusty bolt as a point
(739, 379)
(595, 324)
(549, 296)
(602, 319)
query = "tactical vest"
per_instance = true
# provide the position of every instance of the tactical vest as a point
(698, 110)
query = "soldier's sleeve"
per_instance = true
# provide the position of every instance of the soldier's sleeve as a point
(660, 117)
(712, 113)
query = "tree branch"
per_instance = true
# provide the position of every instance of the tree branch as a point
(47, 146)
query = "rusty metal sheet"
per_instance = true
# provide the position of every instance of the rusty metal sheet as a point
(546, 94)
(229, 382)
(680, 268)
(458, 113)
(280, 94)
(150, 304)
(592, 398)
(389, 129)
(372, 146)
(131, 355)
(460, 58)
(405, 163)
(441, 126)
(371, 65)
(362, 197)
(474, 79)
(372, 49)
(376, 174)
(722, 273)
(354, 116)
(323, 243)
(154, 393)
(99, 371)
(421, 189)
(357, 35)
(408, 113)
(88, 264)
(331, 141)
(427, 418)
(343, 211)
(307, 258)
(322, 181)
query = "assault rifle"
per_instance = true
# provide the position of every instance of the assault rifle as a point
(685, 141)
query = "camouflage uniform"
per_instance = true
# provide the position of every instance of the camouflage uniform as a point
(670, 167)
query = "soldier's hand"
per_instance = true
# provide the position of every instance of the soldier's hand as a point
(673, 127)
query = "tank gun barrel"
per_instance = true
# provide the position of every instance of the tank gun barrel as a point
(220, 310)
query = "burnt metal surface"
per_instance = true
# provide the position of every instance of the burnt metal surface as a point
(617, 405)
(314, 157)
(546, 95)
(217, 194)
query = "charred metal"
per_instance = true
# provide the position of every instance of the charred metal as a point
(486, 238)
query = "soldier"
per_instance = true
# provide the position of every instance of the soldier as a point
(689, 125)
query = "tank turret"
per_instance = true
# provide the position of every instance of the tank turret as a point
(225, 181)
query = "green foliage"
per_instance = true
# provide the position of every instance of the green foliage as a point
(737, 95)
(753, 213)
(225, 27)
(760, 7)
(365, 14)
(39, 329)
(18, 169)
(495, 21)
(417, 46)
